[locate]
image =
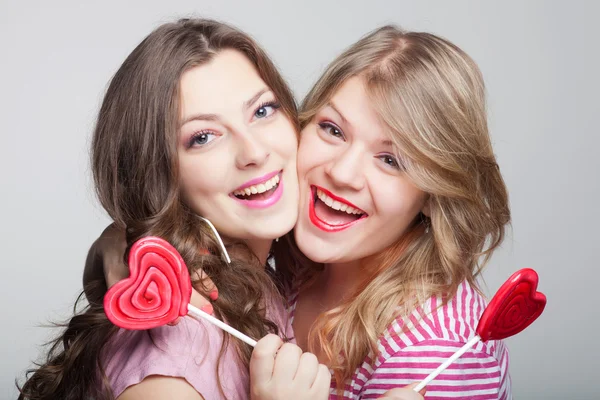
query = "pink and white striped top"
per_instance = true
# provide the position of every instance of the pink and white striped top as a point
(433, 333)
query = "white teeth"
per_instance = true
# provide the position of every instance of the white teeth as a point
(260, 188)
(337, 205)
(270, 184)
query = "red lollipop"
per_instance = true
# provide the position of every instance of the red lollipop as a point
(514, 307)
(157, 291)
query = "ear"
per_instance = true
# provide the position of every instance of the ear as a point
(426, 210)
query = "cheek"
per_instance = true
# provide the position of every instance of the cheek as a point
(195, 181)
(283, 139)
(310, 152)
(399, 201)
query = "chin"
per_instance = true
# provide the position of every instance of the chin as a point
(275, 229)
(313, 248)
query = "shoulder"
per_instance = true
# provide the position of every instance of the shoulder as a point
(453, 320)
(161, 388)
(414, 346)
(190, 350)
(475, 373)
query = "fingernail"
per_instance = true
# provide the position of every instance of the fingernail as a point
(214, 294)
(208, 309)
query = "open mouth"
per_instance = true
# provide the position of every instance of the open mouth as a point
(332, 213)
(263, 194)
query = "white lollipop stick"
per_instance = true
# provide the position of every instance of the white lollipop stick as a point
(447, 363)
(197, 313)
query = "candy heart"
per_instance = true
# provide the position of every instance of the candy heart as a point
(157, 290)
(514, 307)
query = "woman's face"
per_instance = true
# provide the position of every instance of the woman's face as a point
(355, 199)
(237, 150)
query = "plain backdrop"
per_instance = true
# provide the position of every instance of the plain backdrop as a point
(540, 62)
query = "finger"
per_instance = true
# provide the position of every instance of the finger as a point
(205, 283)
(308, 367)
(286, 362)
(406, 393)
(112, 245)
(413, 385)
(262, 361)
(322, 383)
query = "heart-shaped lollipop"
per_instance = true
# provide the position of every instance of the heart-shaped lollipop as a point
(514, 307)
(157, 291)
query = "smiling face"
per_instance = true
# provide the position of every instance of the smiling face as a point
(236, 150)
(355, 199)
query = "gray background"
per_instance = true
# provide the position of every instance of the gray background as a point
(540, 61)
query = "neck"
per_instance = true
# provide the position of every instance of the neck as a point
(261, 248)
(340, 280)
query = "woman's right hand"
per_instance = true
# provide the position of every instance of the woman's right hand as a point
(280, 371)
(405, 393)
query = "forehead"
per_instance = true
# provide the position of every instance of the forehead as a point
(228, 79)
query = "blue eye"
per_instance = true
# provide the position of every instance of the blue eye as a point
(201, 138)
(332, 130)
(265, 110)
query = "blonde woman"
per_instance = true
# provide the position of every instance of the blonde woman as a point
(401, 205)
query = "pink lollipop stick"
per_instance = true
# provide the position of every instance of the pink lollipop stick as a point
(514, 307)
(157, 291)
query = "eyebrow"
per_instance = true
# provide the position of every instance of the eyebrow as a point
(332, 106)
(215, 117)
(384, 142)
(254, 98)
(200, 117)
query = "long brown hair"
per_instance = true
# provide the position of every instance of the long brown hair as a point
(136, 175)
(431, 97)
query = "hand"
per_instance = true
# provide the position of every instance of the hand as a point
(105, 258)
(281, 371)
(405, 393)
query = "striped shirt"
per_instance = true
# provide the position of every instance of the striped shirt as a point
(431, 334)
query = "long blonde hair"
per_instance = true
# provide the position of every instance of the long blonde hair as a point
(431, 96)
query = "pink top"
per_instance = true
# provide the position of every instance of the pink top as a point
(188, 350)
(433, 334)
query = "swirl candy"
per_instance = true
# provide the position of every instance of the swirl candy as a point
(514, 307)
(157, 291)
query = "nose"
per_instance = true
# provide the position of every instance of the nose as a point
(251, 151)
(345, 170)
